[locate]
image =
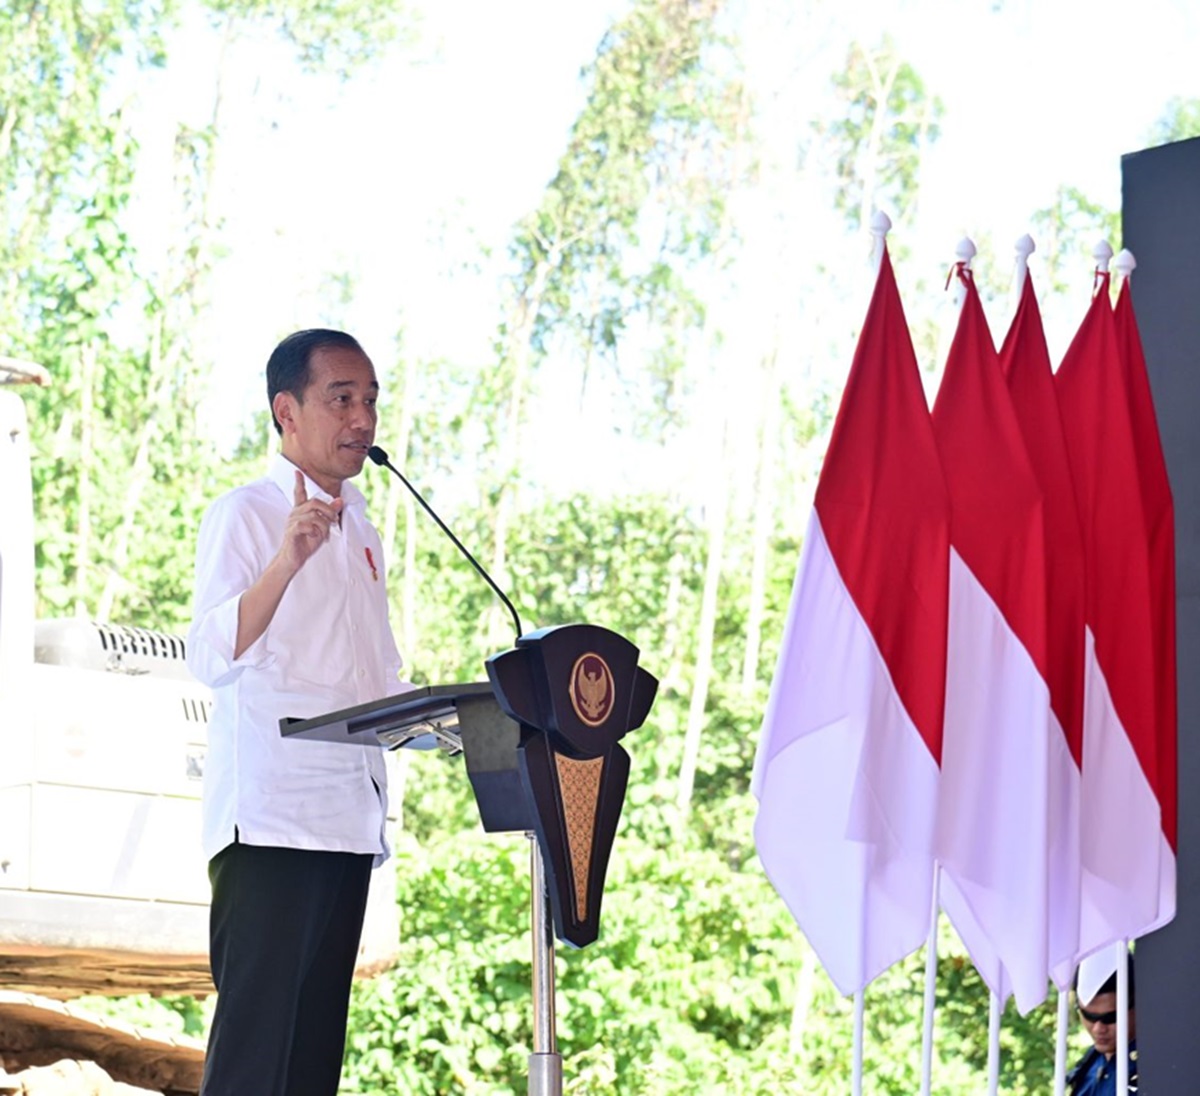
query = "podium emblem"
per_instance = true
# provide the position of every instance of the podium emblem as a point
(575, 690)
(592, 693)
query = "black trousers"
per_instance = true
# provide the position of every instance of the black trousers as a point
(284, 932)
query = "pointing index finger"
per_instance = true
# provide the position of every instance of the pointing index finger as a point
(299, 494)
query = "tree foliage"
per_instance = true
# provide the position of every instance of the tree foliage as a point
(888, 121)
(1068, 231)
(603, 243)
(1179, 121)
(120, 445)
(700, 981)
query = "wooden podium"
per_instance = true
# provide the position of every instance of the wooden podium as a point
(541, 743)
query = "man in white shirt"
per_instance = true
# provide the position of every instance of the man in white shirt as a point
(291, 619)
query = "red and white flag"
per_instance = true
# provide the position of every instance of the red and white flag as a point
(1025, 362)
(1127, 810)
(992, 829)
(1159, 507)
(847, 768)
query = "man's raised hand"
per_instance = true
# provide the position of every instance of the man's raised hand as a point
(307, 526)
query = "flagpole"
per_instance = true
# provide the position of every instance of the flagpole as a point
(930, 986)
(880, 226)
(1060, 1043)
(966, 253)
(1125, 264)
(993, 1043)
(964, 296)
(857, 1069)
(963, 254)
(1025, 247)
(1122, 961)
(1097, 970)
(868, 603)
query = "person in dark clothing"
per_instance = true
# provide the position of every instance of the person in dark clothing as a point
(1095, 1074)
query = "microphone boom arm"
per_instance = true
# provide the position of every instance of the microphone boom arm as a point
(380, 457)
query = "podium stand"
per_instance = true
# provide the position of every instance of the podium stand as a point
(540, 740)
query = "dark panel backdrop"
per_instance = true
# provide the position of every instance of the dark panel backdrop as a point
(1161, 226)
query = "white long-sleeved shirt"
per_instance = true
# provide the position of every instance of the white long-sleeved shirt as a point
(329, 646)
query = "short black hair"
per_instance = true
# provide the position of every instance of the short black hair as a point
(288, 367)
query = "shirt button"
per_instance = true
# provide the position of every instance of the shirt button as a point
(362, 673)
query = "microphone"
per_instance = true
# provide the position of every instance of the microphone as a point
(380, 457)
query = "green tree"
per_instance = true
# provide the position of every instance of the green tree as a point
(1066, 232)
(122, 471)
(612, 232)
(66, 161)
(700, 981)
(1179, 121)
(888, 121)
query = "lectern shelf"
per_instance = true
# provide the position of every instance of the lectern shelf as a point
(541, 741)
(462, 719)
(429, 712)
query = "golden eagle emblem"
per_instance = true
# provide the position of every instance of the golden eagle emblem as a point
(592, 689)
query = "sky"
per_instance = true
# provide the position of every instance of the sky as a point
(405, 175)
(1049, 91)
(395, 177)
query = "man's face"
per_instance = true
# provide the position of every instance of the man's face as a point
(1099, 1016)
(328, 432)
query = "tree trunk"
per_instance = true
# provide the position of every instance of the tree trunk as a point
(717, 504)
(83, 464)
(881, 88)
(520, 353)
(801, 1006)
(717, 512)
(399, 496)
(763, 525)
(172, 347)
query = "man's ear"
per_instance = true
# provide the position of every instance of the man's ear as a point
(284, 408)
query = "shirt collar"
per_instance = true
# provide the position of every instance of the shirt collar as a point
(282, 473)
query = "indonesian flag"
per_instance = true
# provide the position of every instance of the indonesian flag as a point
(992, 830)
(847, 768)
(1159, 509)
(1128, 786)
(1025, 362)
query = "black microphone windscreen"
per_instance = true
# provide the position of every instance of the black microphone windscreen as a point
(377, 455)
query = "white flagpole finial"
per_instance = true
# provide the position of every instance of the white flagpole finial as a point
(963, 254)
(1025, 247)
(1102, 253)
(881, 225)
(965, 251)
(1125, 263)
